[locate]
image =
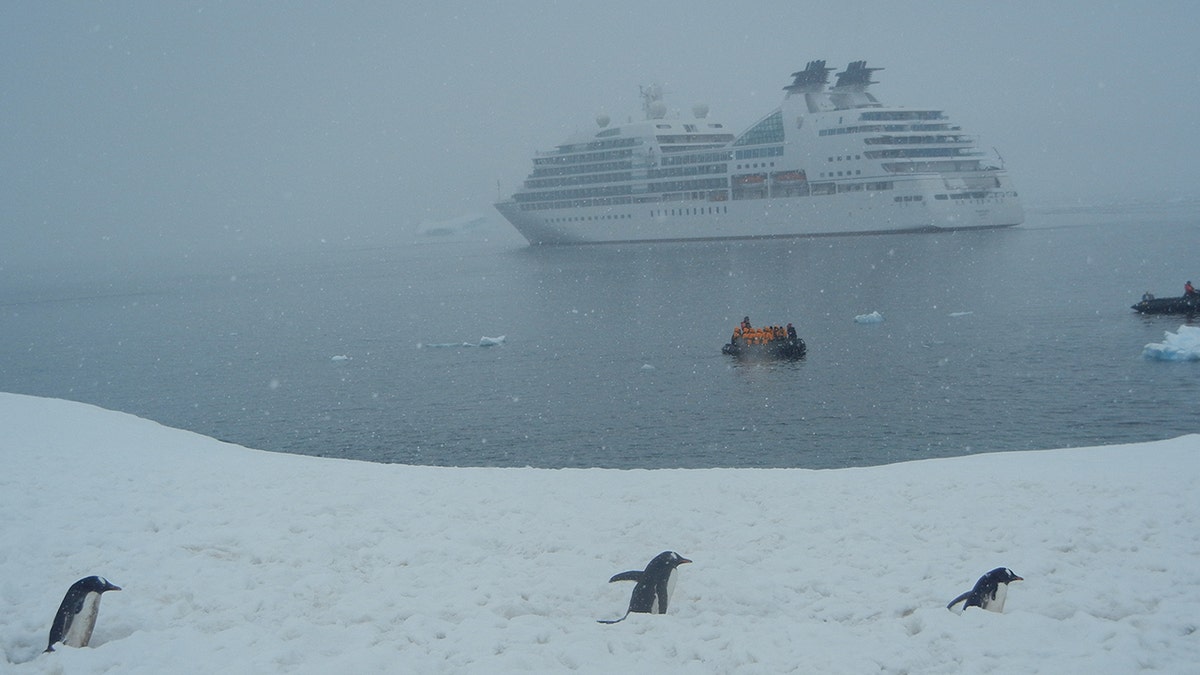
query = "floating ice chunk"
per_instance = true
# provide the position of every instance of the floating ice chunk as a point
(647, 366)
(464, 224)
(339, 357)
(1181, 346)
(958, 314)
(873, 317)
(484, 341)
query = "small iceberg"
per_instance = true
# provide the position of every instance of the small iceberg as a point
(339, 357)
(958, 314)
(484, 341)
(1181, 346)
(873, 317)
(466, 224)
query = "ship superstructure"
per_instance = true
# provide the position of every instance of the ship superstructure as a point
(828, 160)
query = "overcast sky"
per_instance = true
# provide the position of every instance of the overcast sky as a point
(179, 128)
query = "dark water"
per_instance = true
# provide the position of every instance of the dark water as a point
(1003, 340)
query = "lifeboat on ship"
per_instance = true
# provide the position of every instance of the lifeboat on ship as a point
(790, 177)
(750, 179)
(765, 343)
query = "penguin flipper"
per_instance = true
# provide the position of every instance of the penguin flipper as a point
(959, 604)
(632, 575)
(612, 621)
(62, 623)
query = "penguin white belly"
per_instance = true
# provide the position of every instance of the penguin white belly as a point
(996, 604)
(79, 632)
(671, 578)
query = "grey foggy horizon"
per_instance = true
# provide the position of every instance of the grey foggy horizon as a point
(187, 131)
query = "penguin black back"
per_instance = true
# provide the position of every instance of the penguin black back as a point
(76, 617)
(989, 592)
(654, 584)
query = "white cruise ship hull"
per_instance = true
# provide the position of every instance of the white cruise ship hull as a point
(846, 213)
(826, 161)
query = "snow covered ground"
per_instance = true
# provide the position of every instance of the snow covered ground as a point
(240, 561)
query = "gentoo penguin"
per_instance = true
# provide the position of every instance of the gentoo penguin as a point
(989, 592)
(654, 584)
(77, 614)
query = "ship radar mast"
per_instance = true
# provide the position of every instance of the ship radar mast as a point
(652, 102)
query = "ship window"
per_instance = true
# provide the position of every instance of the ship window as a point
(769, 130)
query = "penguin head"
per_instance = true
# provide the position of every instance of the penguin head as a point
(1000, 575)
(95, 585)
(668, 559)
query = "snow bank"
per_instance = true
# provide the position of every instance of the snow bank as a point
(237, 560)
(1181, 346)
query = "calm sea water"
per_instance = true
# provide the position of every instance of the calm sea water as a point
(1003, 340)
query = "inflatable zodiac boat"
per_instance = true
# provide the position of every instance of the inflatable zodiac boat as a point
(766, 342)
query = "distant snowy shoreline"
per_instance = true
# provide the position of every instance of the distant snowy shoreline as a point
(251, 561)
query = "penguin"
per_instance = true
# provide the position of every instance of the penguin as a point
(989, 592)
(76, 615)
(654, 585)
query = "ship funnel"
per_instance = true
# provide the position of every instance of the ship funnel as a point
(856, 76)
(700, 111)
(812, 79)
(602, 120)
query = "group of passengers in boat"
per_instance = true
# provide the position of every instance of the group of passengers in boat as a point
(1189, 291)
(761, 336)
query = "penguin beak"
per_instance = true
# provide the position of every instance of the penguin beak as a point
(684, 560)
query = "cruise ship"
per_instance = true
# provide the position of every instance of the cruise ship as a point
(829, 160)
